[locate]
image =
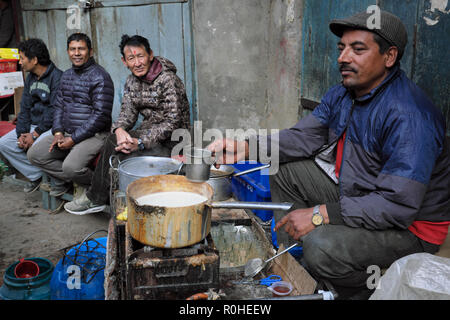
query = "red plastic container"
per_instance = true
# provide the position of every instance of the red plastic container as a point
(8, 65)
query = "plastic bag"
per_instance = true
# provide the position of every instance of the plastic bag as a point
(419, 276)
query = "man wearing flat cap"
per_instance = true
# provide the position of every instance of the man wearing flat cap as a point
(368, 170)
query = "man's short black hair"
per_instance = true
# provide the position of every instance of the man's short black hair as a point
(135, 41)
(384, 45)
(32, 48)
(78, 36)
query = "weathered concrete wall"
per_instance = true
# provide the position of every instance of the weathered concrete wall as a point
(248, 59)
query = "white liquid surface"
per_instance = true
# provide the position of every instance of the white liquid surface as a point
(171, 199)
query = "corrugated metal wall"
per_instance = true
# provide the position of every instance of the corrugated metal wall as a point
(166, 23)
(426, 57)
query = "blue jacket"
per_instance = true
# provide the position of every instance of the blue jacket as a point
(84, 102)
(38, 99)
(396, 164)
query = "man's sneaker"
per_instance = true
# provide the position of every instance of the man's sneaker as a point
(32, 186)
(59, 190)
(83, 205)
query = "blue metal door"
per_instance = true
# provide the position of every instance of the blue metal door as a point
(166, 23)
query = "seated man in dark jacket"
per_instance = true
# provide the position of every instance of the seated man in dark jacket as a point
(82, 119)
(36, 110)
(152, 90)
(387, 195)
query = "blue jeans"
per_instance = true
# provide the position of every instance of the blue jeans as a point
(18, 157)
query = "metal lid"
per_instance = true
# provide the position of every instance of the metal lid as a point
(149, 166)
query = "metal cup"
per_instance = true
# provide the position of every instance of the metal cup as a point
(198, 164)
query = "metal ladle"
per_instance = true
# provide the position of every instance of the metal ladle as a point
(254, 266)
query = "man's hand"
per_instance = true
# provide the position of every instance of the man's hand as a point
(122, 137)
(298, 223)
(128, 147)
(21, 142)
(66, 144)
(228, 151)
(125, 143)
(27, 140)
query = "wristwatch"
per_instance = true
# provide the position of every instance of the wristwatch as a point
(140, 145)
(317, 218)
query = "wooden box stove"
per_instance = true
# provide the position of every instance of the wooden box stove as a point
(137, 272)
(158, 273)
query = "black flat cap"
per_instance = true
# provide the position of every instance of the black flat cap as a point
(391, 28)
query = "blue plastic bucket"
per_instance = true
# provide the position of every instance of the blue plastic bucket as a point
(35, 288)
(296, 251)
(80, 274)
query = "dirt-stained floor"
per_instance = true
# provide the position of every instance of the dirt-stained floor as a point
(28, 231)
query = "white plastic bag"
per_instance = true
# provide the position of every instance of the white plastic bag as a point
(419, 276)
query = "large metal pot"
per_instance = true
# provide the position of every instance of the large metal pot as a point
(135, 168)
(168, 227)
(176, 227)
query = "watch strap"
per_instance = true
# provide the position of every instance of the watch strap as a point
(316, 212)
(141, 144)
(316, 209)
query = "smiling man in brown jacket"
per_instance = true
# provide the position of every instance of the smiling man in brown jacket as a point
(154, 91)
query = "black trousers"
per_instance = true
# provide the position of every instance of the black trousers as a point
(99, 190)
(338, 253)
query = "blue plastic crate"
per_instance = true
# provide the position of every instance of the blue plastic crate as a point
(252, 187)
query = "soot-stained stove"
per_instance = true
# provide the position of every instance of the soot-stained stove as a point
(158, 273)
(134, 271)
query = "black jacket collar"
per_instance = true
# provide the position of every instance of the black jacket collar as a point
(85, 66)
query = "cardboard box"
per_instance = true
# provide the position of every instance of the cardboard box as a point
(291, 271)
(17, 99)
(285, 265)
(9, 53)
